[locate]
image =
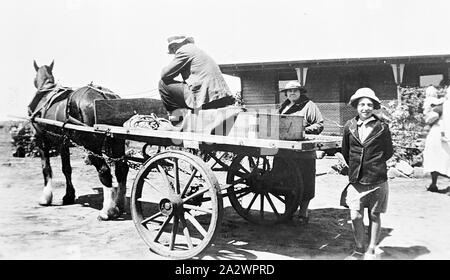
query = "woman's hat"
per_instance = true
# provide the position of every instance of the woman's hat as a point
(178, 40)
(365, 92)
(294, 85)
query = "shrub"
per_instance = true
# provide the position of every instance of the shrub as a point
(407, 125)
(22, 139)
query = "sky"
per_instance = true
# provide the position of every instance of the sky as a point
(121, 44)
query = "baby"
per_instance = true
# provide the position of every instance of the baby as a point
(432, 108)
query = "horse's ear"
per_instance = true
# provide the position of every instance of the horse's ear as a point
(51, 65)
(35, 65)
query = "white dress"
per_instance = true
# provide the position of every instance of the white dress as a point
(436, 155)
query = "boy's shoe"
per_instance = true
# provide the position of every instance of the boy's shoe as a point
(371, 257)
(433, 188)
(355, 256)
(373, 253)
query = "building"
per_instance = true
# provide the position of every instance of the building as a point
(331, 82)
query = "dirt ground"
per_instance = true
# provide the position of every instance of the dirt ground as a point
(415, 226)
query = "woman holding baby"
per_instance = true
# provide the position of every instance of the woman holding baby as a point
(436, 155)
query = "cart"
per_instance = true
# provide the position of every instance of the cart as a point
(177, 199)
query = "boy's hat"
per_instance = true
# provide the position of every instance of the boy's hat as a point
(365, 92)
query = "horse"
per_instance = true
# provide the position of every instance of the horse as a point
(76, 106)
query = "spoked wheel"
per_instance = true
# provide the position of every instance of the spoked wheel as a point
(176, 204)
(264, 190)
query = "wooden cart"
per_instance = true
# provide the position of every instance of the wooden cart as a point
(177, 199)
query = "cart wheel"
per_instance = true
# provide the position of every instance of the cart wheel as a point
(264, 190)
(176, 204)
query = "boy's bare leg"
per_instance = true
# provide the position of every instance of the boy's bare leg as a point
(369, 228)
(358, 227)
(374, 231)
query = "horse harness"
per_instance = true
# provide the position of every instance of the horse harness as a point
(58, 93)
(55, 94)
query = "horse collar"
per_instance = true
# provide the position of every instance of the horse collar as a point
(47, 87)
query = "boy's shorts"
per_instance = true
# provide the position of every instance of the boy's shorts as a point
(357, 197)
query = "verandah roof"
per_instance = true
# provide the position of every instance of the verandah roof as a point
(237, 68)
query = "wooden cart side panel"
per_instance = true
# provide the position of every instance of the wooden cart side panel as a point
(117, 111)
(216, 142)
(194, 139)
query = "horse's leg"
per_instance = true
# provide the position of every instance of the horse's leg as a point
(69, 197)
(121, 172)
(110, 209)
(47, 193)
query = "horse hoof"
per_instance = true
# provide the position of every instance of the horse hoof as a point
(110, 214)
(46, 200)
(44, 203)
(102, 217)
(68, 200)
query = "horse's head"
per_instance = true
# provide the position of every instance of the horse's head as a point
(44, 77)
(44, 82)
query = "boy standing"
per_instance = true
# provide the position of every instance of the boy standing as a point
(366, 146)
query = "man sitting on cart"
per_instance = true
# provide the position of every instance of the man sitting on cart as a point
(203, 85)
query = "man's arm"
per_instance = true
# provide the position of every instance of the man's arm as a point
(176, 66)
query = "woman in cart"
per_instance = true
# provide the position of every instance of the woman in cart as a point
(297, 103)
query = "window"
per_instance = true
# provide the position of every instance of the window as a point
(428, 80)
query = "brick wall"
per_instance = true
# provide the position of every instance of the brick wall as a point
(335, 115)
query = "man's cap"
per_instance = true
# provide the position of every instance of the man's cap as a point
(178, 40)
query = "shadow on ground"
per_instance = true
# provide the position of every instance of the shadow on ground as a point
(95, 201)
(403, 253)
(328, 236)
(444, 191)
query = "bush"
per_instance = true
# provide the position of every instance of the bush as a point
(407, 125)
(22, 139)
